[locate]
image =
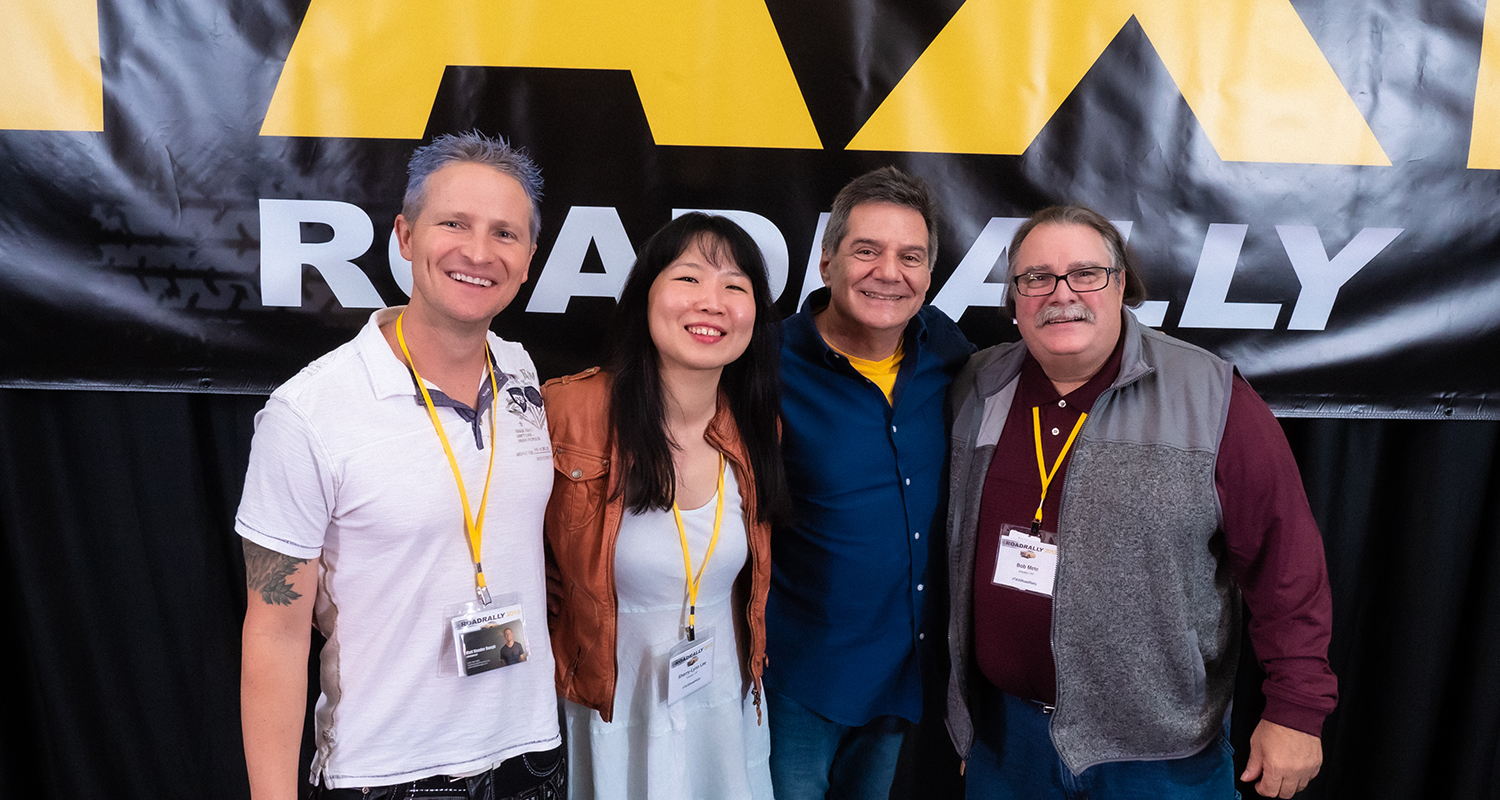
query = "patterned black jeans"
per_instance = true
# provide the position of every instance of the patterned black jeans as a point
(529, 776)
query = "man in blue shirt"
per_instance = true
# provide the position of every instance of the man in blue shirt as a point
(865, 368)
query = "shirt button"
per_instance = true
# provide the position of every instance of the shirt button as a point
(1062, 404)
(1055, 431)
(908, 481)
(577, 473)
(919, 587)
(921, 636)
(916, 535)
(893, 429)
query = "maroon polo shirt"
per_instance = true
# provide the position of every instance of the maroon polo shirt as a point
(1274, 548)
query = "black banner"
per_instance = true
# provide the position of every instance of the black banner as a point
(201, 198)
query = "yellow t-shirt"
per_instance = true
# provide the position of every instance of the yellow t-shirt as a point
(882, 373)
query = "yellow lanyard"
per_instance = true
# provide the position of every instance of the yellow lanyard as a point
(1041, 463)
(687, 561)
(473, 524)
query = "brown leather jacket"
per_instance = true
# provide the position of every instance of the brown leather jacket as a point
(582, 525)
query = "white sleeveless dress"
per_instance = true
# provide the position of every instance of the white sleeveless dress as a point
(708, 745)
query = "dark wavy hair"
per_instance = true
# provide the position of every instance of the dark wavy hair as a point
(1120, 254)
(751, 383)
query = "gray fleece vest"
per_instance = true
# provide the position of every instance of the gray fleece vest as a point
(1145, 622)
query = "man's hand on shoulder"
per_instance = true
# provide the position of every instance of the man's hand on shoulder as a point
(1282, 760)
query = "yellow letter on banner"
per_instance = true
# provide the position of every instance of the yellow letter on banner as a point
(710, 74)
(50, 78)
(1484, 141)
(1248, 69)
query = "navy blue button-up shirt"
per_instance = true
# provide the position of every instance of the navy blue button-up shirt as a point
(848, 578)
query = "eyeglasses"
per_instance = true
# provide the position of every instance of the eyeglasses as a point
(1041, 284)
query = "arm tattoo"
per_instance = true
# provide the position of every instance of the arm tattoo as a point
(266, 572)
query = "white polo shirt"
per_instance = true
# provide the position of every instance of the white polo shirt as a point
(345, 465)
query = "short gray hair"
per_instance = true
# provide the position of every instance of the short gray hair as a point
(472, 148)
(884, 185)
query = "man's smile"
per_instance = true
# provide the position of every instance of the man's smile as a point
(459, 276)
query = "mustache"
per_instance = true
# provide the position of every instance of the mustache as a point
(1068, 313)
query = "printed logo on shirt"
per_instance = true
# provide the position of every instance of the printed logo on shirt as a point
(524, 399)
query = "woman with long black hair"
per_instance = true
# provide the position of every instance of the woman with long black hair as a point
(668, 474)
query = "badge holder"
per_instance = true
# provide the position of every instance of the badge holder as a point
(475, 640)
(485, 635)
(690, 665)
(1026, 559)
(1026, 562)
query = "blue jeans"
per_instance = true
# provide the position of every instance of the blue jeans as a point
(1013, 759)
(813, 758)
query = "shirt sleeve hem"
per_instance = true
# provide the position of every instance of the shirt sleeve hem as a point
(279, 545)
(1295, 716)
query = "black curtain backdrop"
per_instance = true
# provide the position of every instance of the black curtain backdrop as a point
(123, 585)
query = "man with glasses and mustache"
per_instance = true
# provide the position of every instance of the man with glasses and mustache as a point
(1115, 492)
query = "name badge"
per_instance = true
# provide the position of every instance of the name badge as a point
(690, 666)
(488, 637)
(1025, 562)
